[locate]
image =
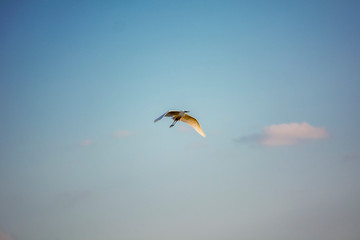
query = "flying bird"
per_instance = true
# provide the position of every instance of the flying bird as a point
(182, 116)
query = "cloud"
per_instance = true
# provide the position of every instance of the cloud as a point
(4, 236)
(122, 134)
(86, 142)
(289, 134)
(286, 134)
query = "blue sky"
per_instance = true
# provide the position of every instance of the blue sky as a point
(274, 84)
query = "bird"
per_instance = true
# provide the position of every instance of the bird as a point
(182, 116)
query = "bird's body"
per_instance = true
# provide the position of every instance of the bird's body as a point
(184, 117)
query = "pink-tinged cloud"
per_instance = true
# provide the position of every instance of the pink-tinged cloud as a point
(291, 133)
(86, 142)
(122, 134)
(4, 236)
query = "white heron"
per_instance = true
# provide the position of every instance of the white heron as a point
(182, 116)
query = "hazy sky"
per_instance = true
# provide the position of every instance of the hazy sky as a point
(274, 84)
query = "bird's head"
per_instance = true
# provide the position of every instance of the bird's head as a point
(186, 111)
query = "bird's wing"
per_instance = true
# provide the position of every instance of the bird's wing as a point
(172, 113)
(167, 114)
(159, 118)
(194, 123)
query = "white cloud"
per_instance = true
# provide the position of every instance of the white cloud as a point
(122, 134)
(287, 134)
(291, 133)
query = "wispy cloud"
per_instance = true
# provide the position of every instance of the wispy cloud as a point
(286, 134)
(86, 142)
(122, 134)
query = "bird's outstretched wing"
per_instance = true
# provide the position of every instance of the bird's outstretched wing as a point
(172, 113)
(194, 123)
(167, 114)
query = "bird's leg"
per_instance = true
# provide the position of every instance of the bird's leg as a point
(173, 124)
